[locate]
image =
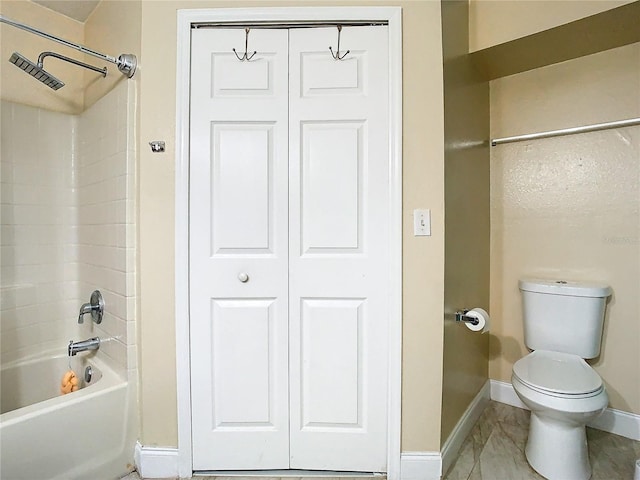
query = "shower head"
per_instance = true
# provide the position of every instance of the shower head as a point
(36, 71)
(126, 63)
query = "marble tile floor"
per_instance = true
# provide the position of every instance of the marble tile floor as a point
(494, 450)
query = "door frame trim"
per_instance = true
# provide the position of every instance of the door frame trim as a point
(185, 18)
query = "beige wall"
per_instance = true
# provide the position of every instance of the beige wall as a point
(423, 188)
(568, 207)
(112, 28)
(493, 22)
(16, 85)
(466, 102)
(606, 30)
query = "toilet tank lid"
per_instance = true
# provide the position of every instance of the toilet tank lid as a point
(562, 287)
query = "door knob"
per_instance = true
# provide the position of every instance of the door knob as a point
(243, 277)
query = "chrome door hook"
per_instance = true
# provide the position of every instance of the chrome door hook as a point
(245, 56)
(336, 56)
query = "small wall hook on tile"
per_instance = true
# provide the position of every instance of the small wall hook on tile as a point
(245, 55)
(336, 56)
(157, 146)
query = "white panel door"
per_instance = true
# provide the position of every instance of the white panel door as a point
(338, 249)
(289, 254)
(238, 251)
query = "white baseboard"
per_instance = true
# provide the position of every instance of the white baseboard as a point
(420, 466)
(452, 446)
(621, 423)
(155, 462)
(614, 421)
(503, 392)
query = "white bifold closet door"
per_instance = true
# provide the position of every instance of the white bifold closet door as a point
(289, 254)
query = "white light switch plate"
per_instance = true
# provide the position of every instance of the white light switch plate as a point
(421, 222)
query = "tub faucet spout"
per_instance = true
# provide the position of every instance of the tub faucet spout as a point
(83, 346)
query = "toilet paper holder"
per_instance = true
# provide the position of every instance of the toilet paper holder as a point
(461, 316)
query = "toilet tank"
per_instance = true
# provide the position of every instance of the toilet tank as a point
(563, 316)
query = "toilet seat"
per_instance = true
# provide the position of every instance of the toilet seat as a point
(558, 374)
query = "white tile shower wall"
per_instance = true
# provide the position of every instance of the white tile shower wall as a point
(67, 227)
(106, 220)
(38, 279)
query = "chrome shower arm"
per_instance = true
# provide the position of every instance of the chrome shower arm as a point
(43, 55)
(126, 63)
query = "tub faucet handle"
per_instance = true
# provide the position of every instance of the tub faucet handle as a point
(84, 309)
(95, 307)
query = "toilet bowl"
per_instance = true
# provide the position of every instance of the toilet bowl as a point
(564, 394)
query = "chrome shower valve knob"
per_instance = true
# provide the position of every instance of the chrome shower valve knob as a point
(95, 307)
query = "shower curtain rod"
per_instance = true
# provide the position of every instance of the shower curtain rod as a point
(126, 62)
(285, 25)
(567, 131)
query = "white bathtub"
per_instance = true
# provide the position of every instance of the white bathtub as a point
(87, 434)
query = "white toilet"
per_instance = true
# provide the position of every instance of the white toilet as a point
(563, 325)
